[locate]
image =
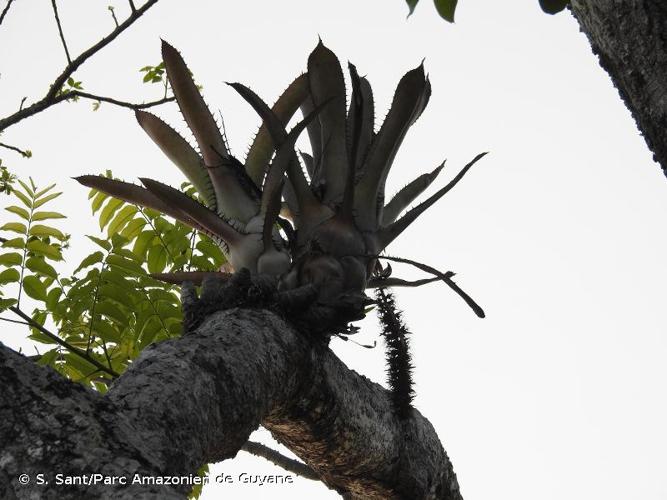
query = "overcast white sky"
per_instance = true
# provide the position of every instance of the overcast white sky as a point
(558, 233)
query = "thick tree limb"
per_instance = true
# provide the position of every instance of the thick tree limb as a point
(54, 96)
(196, 399)
(629, 39)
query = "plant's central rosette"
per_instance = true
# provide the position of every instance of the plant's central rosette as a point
(323, 230)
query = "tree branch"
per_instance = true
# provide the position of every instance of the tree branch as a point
(74, 350)
(53, 96)
(25, 154)
(5, 10)
(123, 104)
(239, 369)
(60, 30)
(277, 458)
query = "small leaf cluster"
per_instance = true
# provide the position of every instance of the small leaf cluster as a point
(154, 74)
(71, 85)
(7, 179)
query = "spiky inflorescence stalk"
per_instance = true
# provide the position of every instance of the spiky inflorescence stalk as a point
(399, 362)
(339, 221)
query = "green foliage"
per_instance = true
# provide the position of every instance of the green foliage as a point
(7, 179)
(154, 74)
(108, 306)
(447, 8)
(71, 85)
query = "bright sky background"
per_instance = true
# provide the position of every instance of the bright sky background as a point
(558, 233)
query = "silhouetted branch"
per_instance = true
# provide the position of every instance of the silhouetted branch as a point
(54, 95)
(5, 10)
(277, 458)
(113, 15)
(60, 31)
(25, 154)
(74, 350)
(123, 104)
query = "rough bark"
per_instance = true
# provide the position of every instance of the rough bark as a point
(630, 40)
(196, 399)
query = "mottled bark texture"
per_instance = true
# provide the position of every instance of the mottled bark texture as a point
(630, 40)
(196, 399)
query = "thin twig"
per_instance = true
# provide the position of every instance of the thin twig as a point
(22, 102)
(14, 321)
(132, 7)
(446, 277)
(52, 96)
(6, 9)
(66, 345)
(277, 458)
(25, 154)
(123, 104)
(60, 31)
(113, 14)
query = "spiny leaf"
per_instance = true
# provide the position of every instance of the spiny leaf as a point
(387, 234)
(192, 210)
(407, 195)
(412, 95)
(263, 146)
(194, 109)
(132, 194)
(232, 199)
(278, 135)
(327, 83)
(179, 151)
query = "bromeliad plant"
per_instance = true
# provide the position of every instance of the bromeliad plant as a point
(317, 235)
